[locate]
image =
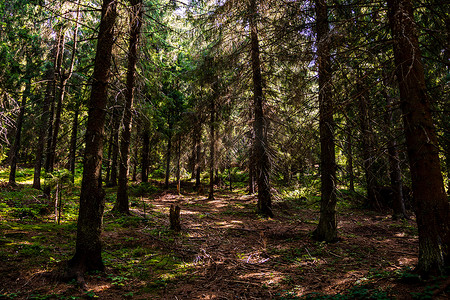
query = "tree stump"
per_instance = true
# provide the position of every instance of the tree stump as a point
(175, 218)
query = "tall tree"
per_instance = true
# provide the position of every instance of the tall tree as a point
(432, 211)
(20, 118)
(122, 204)
(327, 228)
(88, 254)
(260, 147)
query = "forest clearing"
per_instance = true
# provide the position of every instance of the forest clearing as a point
(224, 250)
(222, 149)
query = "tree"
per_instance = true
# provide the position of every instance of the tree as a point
(135, 28)
(88, 244)
(432, 212)
(327, 227)
(260, 146)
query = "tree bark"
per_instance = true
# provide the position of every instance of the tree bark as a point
(198, 156)
(349, 153)
(212, 137)
(19, 125)
(144, 155)
(367, 146)
(178, 165)
(64, 77)
(122, 203)
(327, 228)
(43, 127)
(262, 164)
(88, 256)
(73, 143)
(169, 150)
(115, 148)
(432, 206)
(395, 174)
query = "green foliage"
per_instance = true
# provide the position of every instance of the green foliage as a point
(142, 189)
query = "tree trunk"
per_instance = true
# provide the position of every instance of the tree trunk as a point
(64, 76)
(395, 173)
(56, 112)
(198, 157)
(193, 155)
(43, 127)
(432, 212)
(73, 143)
(327, 228)
(16, 145)
(115, 148)
(178, 165)
(259, 125)
(169, 150)
(122, 204)
(88, 256)
(349, 152)
(367, 146)
(144, 155)
(251, 167)
(212, 137)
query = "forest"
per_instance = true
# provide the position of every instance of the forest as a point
(222, 149)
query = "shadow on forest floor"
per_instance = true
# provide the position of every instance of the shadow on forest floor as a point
(224, 251)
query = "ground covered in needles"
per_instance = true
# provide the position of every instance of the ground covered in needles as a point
(224, 250)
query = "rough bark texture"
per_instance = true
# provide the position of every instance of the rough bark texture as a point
(327, 228)
(259, 124)
(88, 244)
(432, 210)
(122, 204)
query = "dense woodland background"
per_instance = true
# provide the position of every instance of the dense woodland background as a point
(324, 106)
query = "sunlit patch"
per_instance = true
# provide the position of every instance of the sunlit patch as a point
(100, 288)
(407, 261)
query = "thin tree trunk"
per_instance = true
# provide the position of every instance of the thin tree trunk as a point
(198, 158)
(327, 228)
(432, 212)
(64, 77)
(43, 127)
(178, 165)
(212, 141)
(367, 145)
(395, 173)
(259, 125)
(193, 155)
(122, 204)
(109, 154)
(349, 152)
(88, 256)
(144, 155)
(73, 143)
(169, 149)
(251, 167)
(19, 125)
(115, 148)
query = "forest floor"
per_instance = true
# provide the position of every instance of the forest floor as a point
(224, 251)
